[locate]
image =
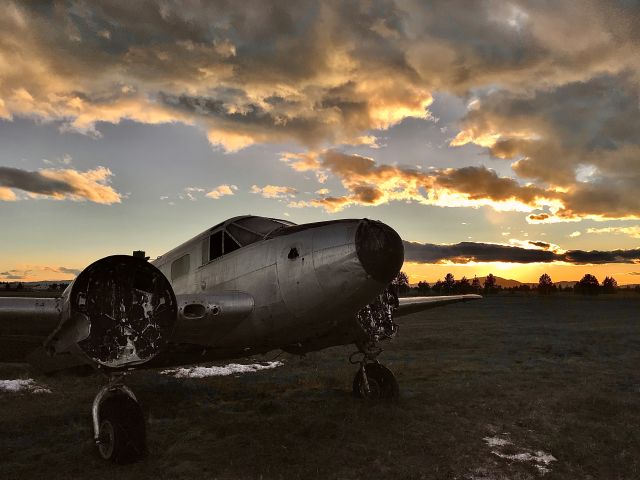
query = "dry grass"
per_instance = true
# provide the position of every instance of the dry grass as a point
(558, 374)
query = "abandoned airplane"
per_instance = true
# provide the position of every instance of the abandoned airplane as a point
(248, 285)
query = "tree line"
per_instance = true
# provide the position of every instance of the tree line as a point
(20, 286)
(588, 285)
(448, 286)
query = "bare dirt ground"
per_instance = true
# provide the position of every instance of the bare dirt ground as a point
(509, 387)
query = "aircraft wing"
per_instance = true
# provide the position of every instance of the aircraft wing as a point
(416, 304)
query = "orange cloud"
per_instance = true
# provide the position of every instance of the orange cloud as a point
(370, 184)
(221, 191)
(7, 195)
(274, 191)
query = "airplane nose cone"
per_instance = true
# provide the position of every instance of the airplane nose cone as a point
(379, 249)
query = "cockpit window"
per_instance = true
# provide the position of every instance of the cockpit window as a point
(238, 234)
(229, 244)
(245, 237)
(261, 225)
(251, 229)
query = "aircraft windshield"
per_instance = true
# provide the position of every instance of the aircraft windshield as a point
(251, 229)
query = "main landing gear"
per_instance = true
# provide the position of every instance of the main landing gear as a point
(373, 381)
(118, 423)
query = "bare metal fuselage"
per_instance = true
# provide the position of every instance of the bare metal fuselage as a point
(233, 291)
(297, 299)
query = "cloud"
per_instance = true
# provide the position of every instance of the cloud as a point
(542, 245)
(368, 183)
(15, 274)
(633, 231)
(466, 252)
(190, 193)
(65, 270)
(243, 73)
(316, 73)
(575, 234)
(552, 91)
(579, 139)
(274, 191)
(7, 195)
(29, 272)
(221, 191)
(59, 184)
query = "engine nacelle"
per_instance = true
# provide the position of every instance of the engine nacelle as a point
(120, 311)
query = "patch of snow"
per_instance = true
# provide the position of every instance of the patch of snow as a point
(496, 441)
(538, 457)
(231, 369)
(541, 460)
(22, 384)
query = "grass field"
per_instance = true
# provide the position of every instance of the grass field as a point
(492, 389)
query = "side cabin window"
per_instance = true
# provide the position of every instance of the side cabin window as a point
(220, 243)
(180, 267)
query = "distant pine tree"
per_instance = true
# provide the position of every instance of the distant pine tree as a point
(402, 282)
(545, 285)
(475, 285)
(463, 286)
(449, 283)
(490, 284)
(609, 285)
(588, 285)
(423, 288)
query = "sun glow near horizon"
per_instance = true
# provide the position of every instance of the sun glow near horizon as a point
(525, 273)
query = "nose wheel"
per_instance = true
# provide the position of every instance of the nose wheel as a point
(118, 423)
(374, 381)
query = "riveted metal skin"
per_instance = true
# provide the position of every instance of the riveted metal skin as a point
(314, 292)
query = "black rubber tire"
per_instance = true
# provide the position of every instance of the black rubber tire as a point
(382, 383)
(122, 430)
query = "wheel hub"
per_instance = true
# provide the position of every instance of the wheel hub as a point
(106, 440)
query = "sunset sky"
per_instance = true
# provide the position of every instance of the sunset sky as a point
(494, 136)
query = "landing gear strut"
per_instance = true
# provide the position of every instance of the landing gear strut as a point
(373, 381)
(118, 423)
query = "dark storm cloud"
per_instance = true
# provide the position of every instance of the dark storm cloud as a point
(543, 245)
(466, 252)
(595, 256)
(33, 182)
(91, 185)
